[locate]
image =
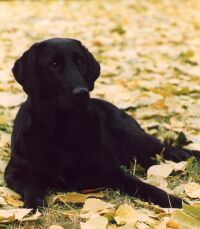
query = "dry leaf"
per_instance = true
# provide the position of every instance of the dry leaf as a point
(184, 220)
(13, 214)
(6, 216)
(192, 190)
(95, 222)
(162, 170)
(73, 213)
(13, 201)
(93, 205)
(146, 216)
(8, 192)
(3, 165)
(172, 225)
(56, 227)
(32, 217)
(179, 166)
(8, 99)
(125, 214)
(192, 210)
(159, 182)
(73, 197)
(2, 201)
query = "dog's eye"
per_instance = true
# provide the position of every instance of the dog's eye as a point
(79, 62)
(54, 64)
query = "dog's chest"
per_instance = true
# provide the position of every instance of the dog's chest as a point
(64, 146)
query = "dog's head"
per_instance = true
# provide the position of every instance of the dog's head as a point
(58, 67)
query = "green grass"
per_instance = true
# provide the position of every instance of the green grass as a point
(193, 170)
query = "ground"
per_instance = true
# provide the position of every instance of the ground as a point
(149, 52)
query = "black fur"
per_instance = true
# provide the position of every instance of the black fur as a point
(64, 140)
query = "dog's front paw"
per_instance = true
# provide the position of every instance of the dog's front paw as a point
(34, 202)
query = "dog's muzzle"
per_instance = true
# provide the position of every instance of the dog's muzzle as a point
(81, 95)
(80, 91)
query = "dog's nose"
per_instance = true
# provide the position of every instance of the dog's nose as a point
(80, 91)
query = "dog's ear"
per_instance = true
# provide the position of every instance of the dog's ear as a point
(25, 71)
(92, 68)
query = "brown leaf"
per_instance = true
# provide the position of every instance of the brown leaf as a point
(73, 197)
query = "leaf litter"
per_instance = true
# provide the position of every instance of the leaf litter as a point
(149, 52)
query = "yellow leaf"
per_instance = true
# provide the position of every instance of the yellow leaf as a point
(172, 225)
(55, 227)
(73, 213)
(32, 217)
(2, 201)
(192, 190)
(96, 222)
(160, 104)
(73, 197)
(13, 214)
(185, 221)
(158, 181)
(3, 165)
(162, 170)
(20, 213)
(179, 166)
(6, 191)
(6, 216)
(125, 214)
(95, 205)
(192, 210)
(13, 201)
(146, 216)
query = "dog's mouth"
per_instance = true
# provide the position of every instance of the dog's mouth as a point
(80, 96)
(81, 100)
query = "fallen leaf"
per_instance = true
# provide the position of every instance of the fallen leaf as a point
(6, 192)
(172, 225)
(185, 221)
(125, 214)
(162, 170)
(193, 211)
(177, 166)
(192, 190)
(2, 201)
(93, 205)
(13, 201)
(8, 99)
(6, 216)
(32, 217)
(56, 227)
(158, 181)
(73, 197)
(3, 165)
(73, 213)
(95, 222)
(147, 216)
(13, 214)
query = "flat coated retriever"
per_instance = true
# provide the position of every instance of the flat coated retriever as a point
(64, 140)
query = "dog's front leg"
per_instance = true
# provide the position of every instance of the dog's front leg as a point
(27, 184)
(131, 185)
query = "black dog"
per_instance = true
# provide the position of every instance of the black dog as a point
(64, 140)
